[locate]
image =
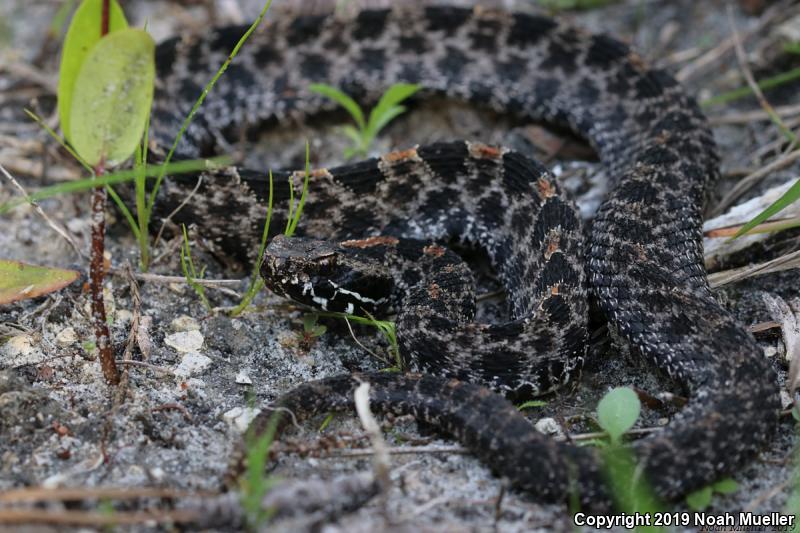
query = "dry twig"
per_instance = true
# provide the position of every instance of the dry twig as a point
(58, 228)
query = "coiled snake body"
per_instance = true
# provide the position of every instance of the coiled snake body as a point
(644, 261)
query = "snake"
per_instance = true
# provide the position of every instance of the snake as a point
(374, 234)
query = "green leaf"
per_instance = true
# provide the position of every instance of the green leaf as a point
(394, 95)
(309, 321)
(781, 203)
(699, 499)
(726, 486)
(20, 281)
(391, 98)
(382, 120)
(114, 90)
(82, 35)
(531, 404)
(342, 99)
(618, 411)
(353, 134)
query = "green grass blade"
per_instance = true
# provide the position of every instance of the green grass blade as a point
(385, 118)
(342, 99)
(764, 85)
(784, 201)
(202, 97)
(125, 211)
(189, 270)
(181, 167)
(256, 283)
(295, 218)
(36, 118)
(393, 96)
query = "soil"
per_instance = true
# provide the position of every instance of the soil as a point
(176, 419)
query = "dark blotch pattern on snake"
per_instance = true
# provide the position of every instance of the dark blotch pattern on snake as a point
(644, 260)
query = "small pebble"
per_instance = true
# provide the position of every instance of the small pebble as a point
(240, 417)
(786, 399)
(122, 316)
(549, 426)
(66, 337)
(243, 379)
(185, 341)
(20, 350)
(191, 364)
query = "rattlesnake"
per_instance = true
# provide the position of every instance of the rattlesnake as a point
(644, 260)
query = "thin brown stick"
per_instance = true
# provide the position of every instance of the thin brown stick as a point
(747, 117)
(746, 183)
(764, 227)
(784, 262)
(158, 278)
(751, 81)
(723, 48)
(373, 354)
(94, 518)
(96, 267)
(58, 228)
(40, 494)
(175, 211)
(96, 275)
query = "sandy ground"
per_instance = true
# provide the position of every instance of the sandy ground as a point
(176, 420)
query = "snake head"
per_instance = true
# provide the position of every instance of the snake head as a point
(325, 275)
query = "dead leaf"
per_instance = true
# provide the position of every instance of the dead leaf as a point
(19, 281)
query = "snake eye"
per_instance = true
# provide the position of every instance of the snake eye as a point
(325, 263)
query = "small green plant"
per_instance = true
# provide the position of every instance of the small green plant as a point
(256, 483)
(387, 109)
(190, 272)
(700, 499)
(617, 412)
(311, 330)
(116, 121)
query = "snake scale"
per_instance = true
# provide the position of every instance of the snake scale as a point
(643, 264)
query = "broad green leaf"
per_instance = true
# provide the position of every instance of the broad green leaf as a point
(699, 499)
(342, 99)
(19, 281)
(114, 90)
(618, 411)
(726, 486)
(781, 203)
(531, 404)
(82, 35)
